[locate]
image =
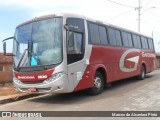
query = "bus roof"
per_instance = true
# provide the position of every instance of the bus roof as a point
(79, 16)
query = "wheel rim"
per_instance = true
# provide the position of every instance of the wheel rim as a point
(143, 73)
(97, 83)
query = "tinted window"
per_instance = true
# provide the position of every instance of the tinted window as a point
(76, 24)
(71, 39)
(115, 37)
(144, 43)
(127, 39)
(75, 47)
(78, 39)
(130, 44)
(118, 38)
(112, 36)
(139, 42)
(103, 35)
(94, 33)
(136, 41)
(150, 43)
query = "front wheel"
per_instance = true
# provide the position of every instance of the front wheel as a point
(142, 75)
(98, 84)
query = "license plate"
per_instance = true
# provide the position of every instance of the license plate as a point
(32, 89)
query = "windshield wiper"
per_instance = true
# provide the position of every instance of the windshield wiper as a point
(21, 59)
(33, 55)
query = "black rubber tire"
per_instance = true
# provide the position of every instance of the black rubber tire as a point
(99, 85)
(142, 75)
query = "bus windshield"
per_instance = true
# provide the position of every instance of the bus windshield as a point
(43, 42)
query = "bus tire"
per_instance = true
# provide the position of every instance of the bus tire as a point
(142, 75)
(98, 84)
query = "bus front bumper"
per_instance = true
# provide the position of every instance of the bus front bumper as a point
(59, 85)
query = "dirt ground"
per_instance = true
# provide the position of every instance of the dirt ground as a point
(7, 89)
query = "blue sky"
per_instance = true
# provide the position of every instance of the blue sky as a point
(14, 12)
(10, 18)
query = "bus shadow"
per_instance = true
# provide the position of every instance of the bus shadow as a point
(117, 89)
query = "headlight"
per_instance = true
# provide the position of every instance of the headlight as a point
(54, 77)
(16, 80)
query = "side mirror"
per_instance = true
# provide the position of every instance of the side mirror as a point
(4, 48)
(66, 27)
(9, 43)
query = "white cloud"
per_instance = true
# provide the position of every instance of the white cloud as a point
(39, 4)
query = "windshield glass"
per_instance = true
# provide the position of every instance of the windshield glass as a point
(22, 35)
(43, 39)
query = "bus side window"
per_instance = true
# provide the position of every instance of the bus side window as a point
(144, 42)
(94, 33)
(150, 43)
(147, 46)
(74, 47)
(103, 35)
(112, 37)
(71, 38)
(136, 41)
(78, 44)
(75, 40)
(118, 38)
(139, 42)
(130, 43)
(127, 39)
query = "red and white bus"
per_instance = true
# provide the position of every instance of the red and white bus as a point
(63, 53)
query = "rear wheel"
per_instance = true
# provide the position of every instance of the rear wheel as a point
(98, 84)
(142, 75)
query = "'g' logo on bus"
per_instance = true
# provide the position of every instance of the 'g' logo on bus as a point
(134, 59)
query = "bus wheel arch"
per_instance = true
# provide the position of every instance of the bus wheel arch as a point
(99, 81)
(103, 72)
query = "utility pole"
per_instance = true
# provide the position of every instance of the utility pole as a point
(139, 16)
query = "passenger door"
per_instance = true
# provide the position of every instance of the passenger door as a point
(75, 50)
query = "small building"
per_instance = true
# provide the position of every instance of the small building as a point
(6, 74)
(158, 60)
